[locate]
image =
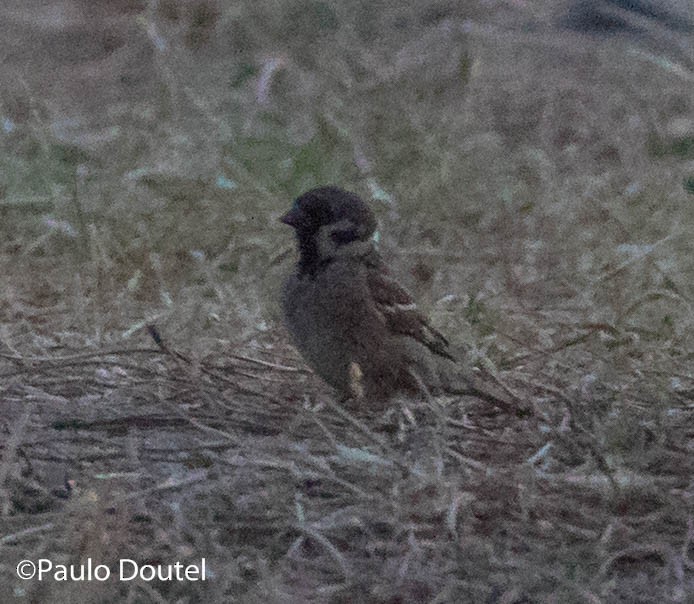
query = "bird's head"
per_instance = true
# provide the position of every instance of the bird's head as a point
(331, 222)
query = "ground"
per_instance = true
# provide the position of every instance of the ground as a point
(533, 183)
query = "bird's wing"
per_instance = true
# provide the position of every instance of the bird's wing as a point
(401, 314)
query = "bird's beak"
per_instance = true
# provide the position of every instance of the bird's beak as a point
(292, 218)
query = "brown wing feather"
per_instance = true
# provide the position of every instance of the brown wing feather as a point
(401, 314)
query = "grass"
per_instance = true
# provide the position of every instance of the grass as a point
(532, 188)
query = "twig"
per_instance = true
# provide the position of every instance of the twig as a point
(28, 531)
(76, 357)
(241, 357)
(169, 483)
(8, 457)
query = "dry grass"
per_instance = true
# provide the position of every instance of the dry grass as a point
(529, 182)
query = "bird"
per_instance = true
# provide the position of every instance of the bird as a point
(352, 322)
